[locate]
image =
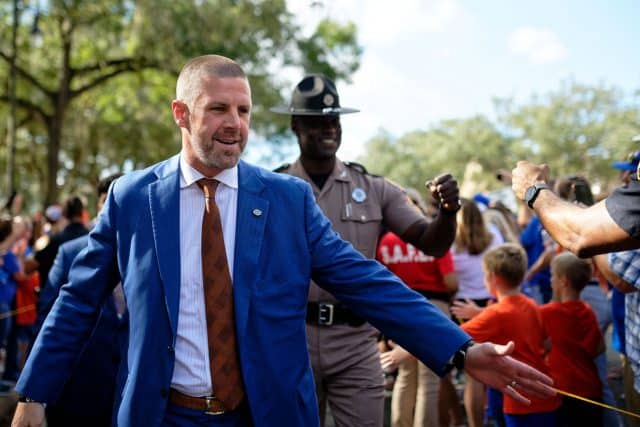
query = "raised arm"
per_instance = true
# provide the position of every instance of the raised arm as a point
(436, 237)
(583, 231)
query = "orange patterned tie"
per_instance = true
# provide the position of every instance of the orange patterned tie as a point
(226, 376)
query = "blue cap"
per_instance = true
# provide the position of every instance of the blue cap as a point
(630, 164)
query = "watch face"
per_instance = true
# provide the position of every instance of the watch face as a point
(528, 195)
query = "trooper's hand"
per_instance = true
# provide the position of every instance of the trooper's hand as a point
(29, 414)
(444, 188)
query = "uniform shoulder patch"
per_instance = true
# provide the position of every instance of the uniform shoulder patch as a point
(282, 167)
(357, 166)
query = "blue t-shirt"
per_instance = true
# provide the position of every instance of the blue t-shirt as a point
(533, 242)
(7, 284)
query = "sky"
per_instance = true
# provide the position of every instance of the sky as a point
(429, 60)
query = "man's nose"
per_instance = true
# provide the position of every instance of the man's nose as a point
(233, 119)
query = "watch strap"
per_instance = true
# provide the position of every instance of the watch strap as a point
(535, 188)
(458, 358)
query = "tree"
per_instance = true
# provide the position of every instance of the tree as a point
(71, 88)
(447, 146)
(577, 129)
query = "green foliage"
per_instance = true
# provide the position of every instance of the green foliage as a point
(331, 44)
(577, 129)
(94, 88)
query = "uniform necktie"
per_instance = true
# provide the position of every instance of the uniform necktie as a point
(226, 377)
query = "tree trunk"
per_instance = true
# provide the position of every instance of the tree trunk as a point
(54, 131)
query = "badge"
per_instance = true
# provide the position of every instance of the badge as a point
(358, 195)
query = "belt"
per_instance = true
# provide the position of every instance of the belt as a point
(441, 296)
(208, 404)
(327, 314)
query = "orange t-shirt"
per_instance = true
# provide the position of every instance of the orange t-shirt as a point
(516, 318)
(575, 340)
(26, 299)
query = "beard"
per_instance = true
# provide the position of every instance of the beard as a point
(215, 154)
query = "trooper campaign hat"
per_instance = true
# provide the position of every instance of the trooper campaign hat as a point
(315, 95)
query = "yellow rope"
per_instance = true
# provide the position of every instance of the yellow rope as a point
(613, 408)
(18, 311)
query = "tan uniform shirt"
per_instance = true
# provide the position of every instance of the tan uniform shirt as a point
(359, 205)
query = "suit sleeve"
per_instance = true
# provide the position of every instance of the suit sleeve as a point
(74, 312)
(374, 293)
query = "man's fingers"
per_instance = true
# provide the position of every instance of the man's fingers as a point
(533, 388)
(535, 376)
(512, 393)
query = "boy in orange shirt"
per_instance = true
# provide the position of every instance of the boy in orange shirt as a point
(575, 341)
(514, 317)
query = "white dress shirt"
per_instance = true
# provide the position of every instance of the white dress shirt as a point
(191, 374)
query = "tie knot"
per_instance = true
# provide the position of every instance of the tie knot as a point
(208, 187)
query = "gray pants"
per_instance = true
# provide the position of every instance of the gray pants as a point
(348, 374)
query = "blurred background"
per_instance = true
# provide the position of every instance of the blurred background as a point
(443, 85)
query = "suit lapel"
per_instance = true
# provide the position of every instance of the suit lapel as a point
(164, 202)
(253, 210)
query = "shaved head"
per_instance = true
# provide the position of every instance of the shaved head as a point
(190, 78)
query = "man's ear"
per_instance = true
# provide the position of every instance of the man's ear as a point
(180, 113)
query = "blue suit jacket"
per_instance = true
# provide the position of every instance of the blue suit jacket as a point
(277, 253)
(88, 395)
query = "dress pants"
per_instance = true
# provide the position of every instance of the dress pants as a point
(179, 416)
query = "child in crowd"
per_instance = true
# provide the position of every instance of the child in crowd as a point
(575, 341)
(514, 317)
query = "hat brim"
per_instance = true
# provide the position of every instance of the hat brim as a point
(283, 109)
(625, 166)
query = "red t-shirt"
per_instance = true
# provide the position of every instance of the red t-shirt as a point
(516, 318)
(417, 270)
(575, 341)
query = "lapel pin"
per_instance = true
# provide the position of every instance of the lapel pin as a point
(256, 212)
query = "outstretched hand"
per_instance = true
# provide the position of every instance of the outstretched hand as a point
(466, 309)
(392, 359)
(492, 364)
(28, 415)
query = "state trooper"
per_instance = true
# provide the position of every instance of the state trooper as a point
(343, 350)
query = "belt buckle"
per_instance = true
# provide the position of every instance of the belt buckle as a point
(325, 314)
(208, 400)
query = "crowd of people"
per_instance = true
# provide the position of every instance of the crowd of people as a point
(211, 292)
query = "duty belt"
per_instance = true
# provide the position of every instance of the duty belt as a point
(328, 314)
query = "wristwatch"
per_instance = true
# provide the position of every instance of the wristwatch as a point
(458, 358)
(531, 194)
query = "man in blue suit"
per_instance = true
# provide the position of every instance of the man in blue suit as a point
(88, 395)
(150, 236)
